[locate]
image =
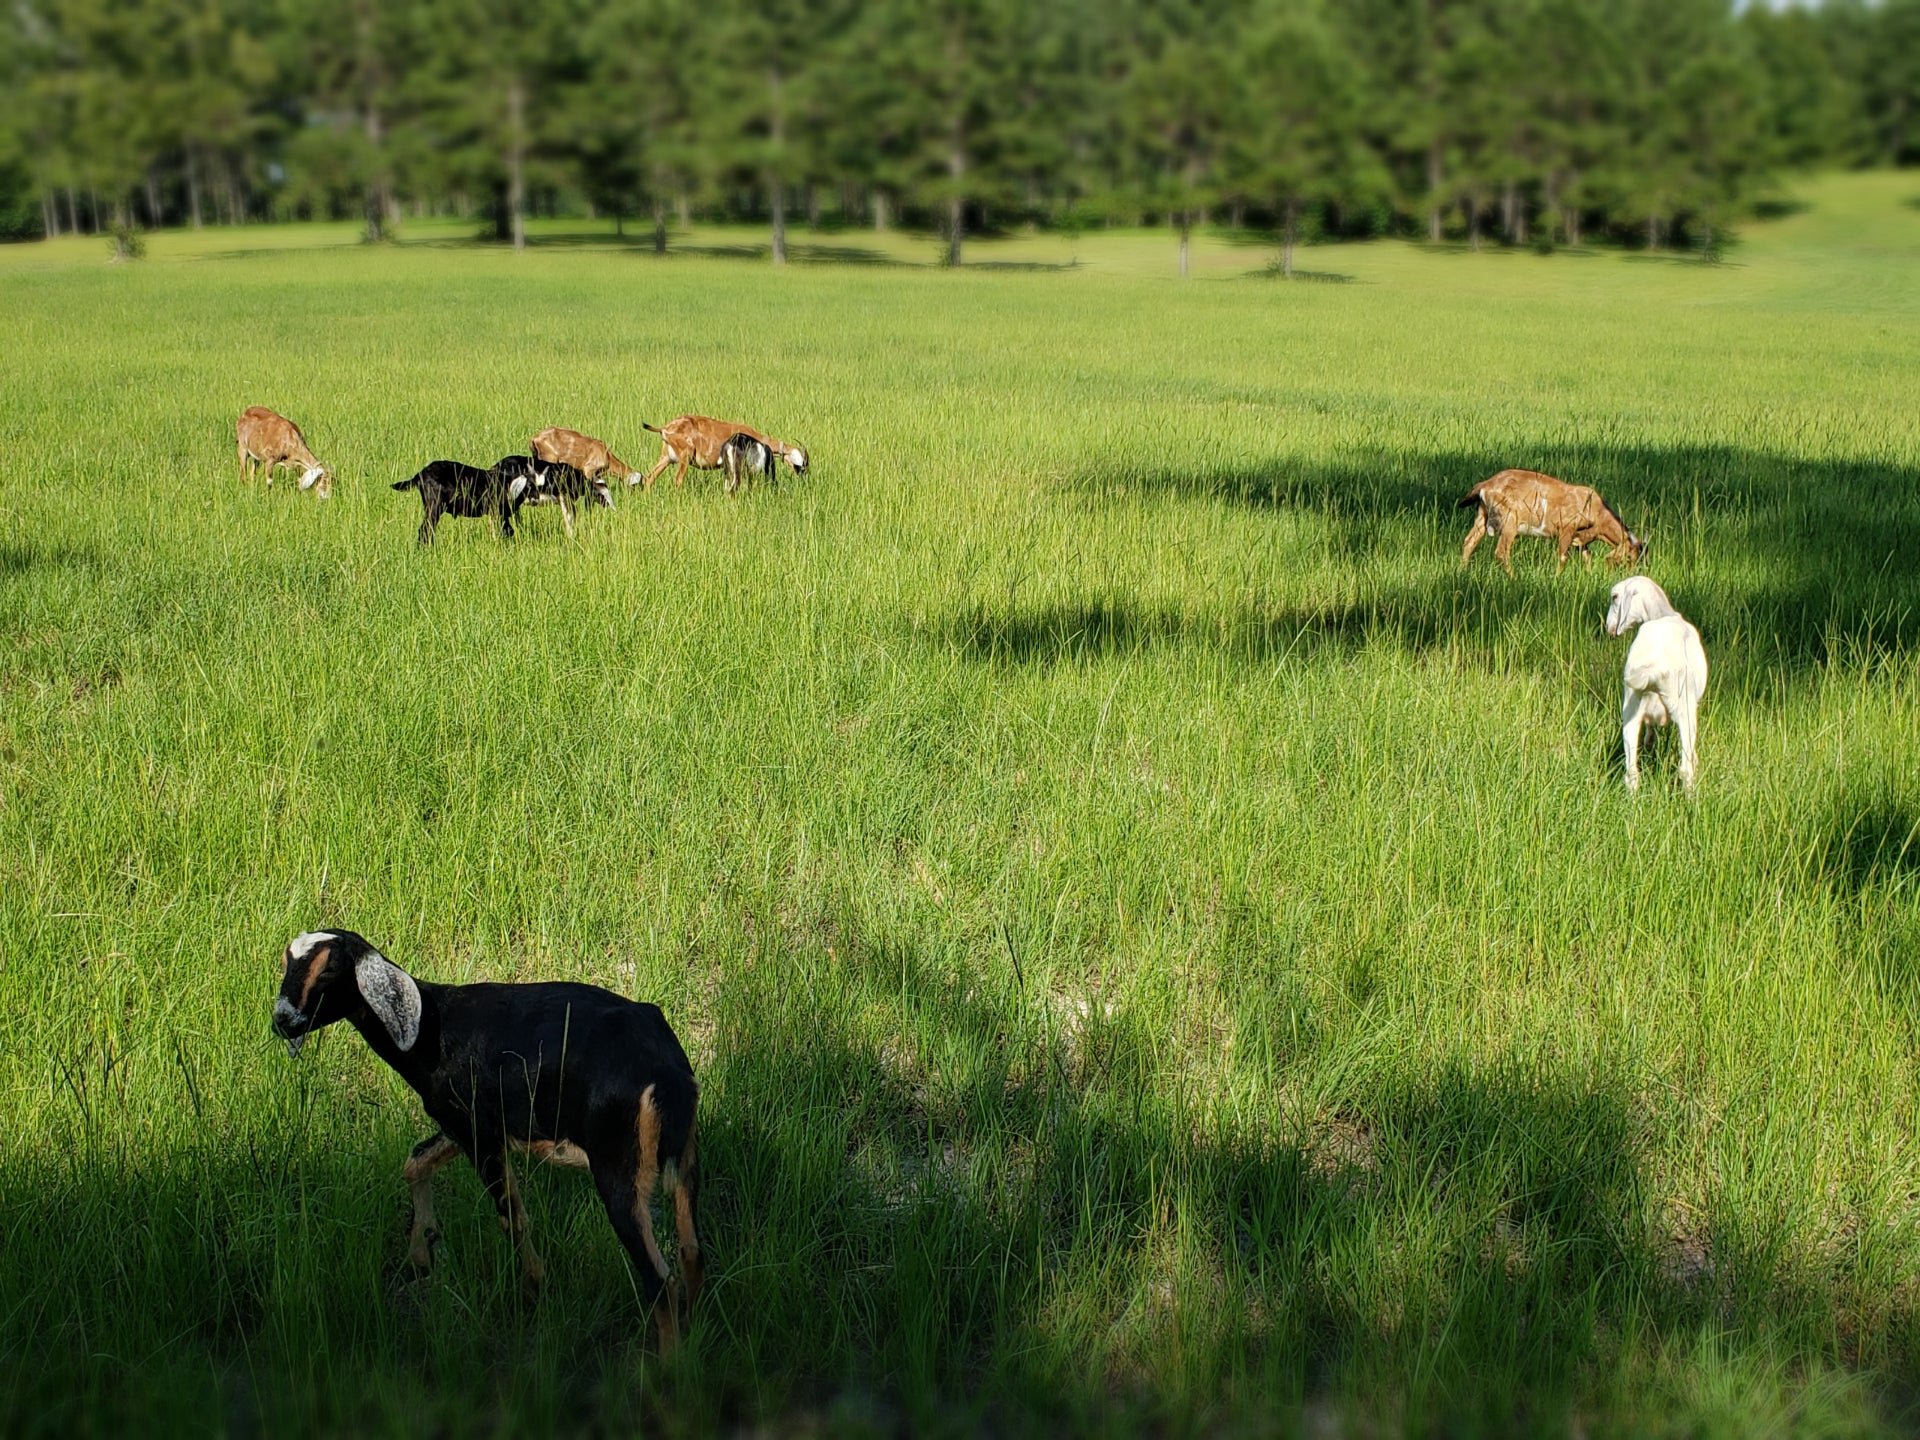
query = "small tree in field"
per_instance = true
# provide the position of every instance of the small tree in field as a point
(1301, 117)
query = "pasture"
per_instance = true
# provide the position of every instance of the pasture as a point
(1163, 951)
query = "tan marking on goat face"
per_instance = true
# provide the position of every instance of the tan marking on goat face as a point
(318, 959)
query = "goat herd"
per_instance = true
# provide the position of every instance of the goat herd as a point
(487, 1060)
(564, 469)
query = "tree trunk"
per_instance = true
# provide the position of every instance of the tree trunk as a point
(1293, 225)
(73, 213)
(153, 201)
(659, 227)
(1653, 232)
(1186, 228)
(50, 215)
(879, 210)
(516, 161)
(777, 186)
(1433, 192)
(193, 187)
(956, 205)
(376, 182)
(1473, 222)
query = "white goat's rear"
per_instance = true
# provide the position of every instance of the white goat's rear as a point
(1666, 672)
(273, 440)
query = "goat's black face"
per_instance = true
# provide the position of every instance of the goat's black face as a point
(315, 966)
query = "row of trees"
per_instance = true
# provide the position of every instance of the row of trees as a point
(1542, 121)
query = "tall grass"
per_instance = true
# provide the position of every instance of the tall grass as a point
(1163, 951)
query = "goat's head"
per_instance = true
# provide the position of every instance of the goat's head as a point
(1634, 601)
(329, 975)
(319, 479)
(1629, 551)
(795, 456)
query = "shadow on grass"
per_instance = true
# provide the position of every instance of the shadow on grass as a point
(941, 1197)
(24, 557)
(1785, 564)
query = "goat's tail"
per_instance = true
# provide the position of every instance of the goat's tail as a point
(654, 428)
(407, 484)
(1472, 497)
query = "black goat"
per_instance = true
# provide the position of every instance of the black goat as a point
(567, 1073)
(449, 488)
(745, 455)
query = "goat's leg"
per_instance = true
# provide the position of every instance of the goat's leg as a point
(1474, 536)
(1503, 548)
(1566, 544)
(566, 516)
(626, 1176)
(686, 1220)
(646, 480)
(1632, 713)
(427, 521)
(504, 1188)
(680, 475)
(1685, 711)
(428, 1156)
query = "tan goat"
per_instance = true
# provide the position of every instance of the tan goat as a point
(273, 440)
(1525, 502)
(697, 440)
(592, 458)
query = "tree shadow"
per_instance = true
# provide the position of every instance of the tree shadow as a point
(1275, 271)
(1807, 558)
(21, 557)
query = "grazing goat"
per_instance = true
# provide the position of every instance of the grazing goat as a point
(744, 457)
(591, 457)
(1525, 502)
(571, 1074)
(273, 440)
(548, 484)
(697, 440)
(449, 488)
(1666, 671)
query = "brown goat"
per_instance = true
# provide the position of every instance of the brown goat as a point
(697, 440)
(1525, 502)
(592, 458)
(273, 440)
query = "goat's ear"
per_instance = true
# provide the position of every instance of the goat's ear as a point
(391, 994)
(519, 484)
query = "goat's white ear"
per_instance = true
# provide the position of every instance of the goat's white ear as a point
(516, 487)
(391, 994)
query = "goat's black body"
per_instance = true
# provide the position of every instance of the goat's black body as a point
(744, 456)
(559, 482)
(524, 1064)
(466, 492)
(567, 1072)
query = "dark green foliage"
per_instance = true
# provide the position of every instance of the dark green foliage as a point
(1657, 121)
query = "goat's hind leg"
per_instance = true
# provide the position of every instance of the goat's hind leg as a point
(1632, 713)
(1685, 711)
(1474, 536)
(626, 1173)
(501, 1184)
(428, 1156)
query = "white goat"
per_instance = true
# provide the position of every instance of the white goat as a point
(1666, 671)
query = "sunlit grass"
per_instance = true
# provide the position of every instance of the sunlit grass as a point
(1160, 946)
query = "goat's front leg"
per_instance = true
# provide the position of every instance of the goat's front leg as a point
(566, 516)
(1566, 544)
(1632, 713)
(428, 1156)
(499, 1179)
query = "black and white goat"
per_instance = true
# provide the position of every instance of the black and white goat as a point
(571, 1074)
(553, 482)
(744, 456)
(467, 492)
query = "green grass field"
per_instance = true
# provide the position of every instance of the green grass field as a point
(1164, 952)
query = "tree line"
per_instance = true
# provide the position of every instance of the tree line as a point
(1543, 122)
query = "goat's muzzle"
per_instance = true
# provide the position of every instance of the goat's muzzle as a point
(290, 1025)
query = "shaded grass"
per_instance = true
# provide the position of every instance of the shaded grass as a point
(1163, 951)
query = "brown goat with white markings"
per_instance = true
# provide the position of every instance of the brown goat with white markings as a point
(698, 440)
(1525, 502)
(592, 458)
(273, 440)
